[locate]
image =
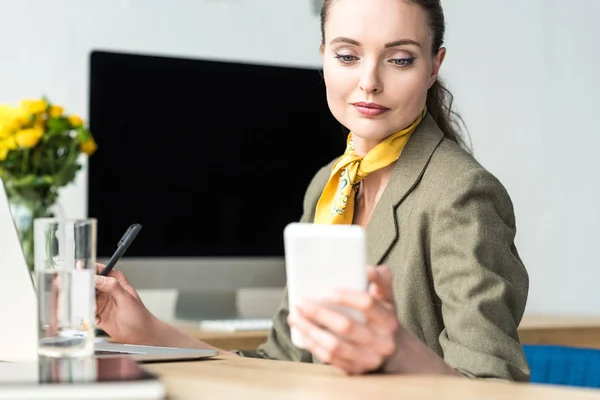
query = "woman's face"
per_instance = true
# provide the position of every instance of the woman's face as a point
(378, 65)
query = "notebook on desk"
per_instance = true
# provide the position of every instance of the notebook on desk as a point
(18, 308)
(91, 378)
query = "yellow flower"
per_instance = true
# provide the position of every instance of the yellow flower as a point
(11, 142)
(89, 146)
(28, 138)
(4, 131)
(34, 106)
(6, 145)
(11, 119)
(56, 111)
(40, 123)
(75, 121)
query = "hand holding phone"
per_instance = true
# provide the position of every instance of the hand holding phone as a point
(122, 247)
(321, 258)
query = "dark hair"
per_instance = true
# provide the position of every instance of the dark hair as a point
(439, 98)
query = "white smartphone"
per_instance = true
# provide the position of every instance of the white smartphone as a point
(320, 258)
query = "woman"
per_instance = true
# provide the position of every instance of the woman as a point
(454, 289)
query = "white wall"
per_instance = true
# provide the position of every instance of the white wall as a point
(45, 45)
(523, 75)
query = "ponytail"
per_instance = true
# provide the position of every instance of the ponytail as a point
(439, 106)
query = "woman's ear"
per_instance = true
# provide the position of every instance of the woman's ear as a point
(321, 48)
(437, 64)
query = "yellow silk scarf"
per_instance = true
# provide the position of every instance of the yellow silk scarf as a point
(336, 205)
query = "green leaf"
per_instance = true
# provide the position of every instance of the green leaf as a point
(58, 126)
(83, 134)
(67, 174)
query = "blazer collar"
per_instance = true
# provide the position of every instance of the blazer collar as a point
(381, 234)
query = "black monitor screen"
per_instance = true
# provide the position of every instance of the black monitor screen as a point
(212, 158)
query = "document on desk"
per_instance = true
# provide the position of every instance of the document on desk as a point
(89, 378)
(237, 324)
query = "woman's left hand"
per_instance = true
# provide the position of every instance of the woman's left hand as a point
(337, 339)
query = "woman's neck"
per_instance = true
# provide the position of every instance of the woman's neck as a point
(368, 195)
(363, 146)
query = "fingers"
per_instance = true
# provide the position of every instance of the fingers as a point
(332, 350)
(379, 314)
(113, 287)
(381, 280)
(99, 268)
(380, 338)
(107, 284)
(334, 321)
(337, 339)
(117, 276)
(111, 291)
(113, 273)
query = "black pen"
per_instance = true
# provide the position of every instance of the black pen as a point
(122, 246)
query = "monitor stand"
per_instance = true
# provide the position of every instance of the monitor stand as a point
(207, 304)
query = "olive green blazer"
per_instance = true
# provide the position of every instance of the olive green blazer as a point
(445, 226)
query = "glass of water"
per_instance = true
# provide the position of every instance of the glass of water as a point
(65, 265)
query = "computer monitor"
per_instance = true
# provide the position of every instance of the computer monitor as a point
(212, 157)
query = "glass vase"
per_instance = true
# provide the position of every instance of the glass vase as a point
(24, 212)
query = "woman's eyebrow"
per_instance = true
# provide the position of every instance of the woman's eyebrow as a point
(400, 42)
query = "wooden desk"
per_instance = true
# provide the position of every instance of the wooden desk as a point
(240, 340)
(249, 379)
(561, 330)
(534, 329)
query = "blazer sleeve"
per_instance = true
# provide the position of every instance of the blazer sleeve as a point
(279, 343)
(479, 278)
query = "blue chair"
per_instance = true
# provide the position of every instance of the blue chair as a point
(561, 365)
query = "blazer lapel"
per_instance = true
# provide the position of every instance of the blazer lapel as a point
(382, 230)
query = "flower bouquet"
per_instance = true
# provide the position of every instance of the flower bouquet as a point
(40, 147)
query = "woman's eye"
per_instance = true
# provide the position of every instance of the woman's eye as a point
(402, 62)
(345, 59)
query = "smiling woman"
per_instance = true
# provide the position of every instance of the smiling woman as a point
(400, 43)
(447, 286)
